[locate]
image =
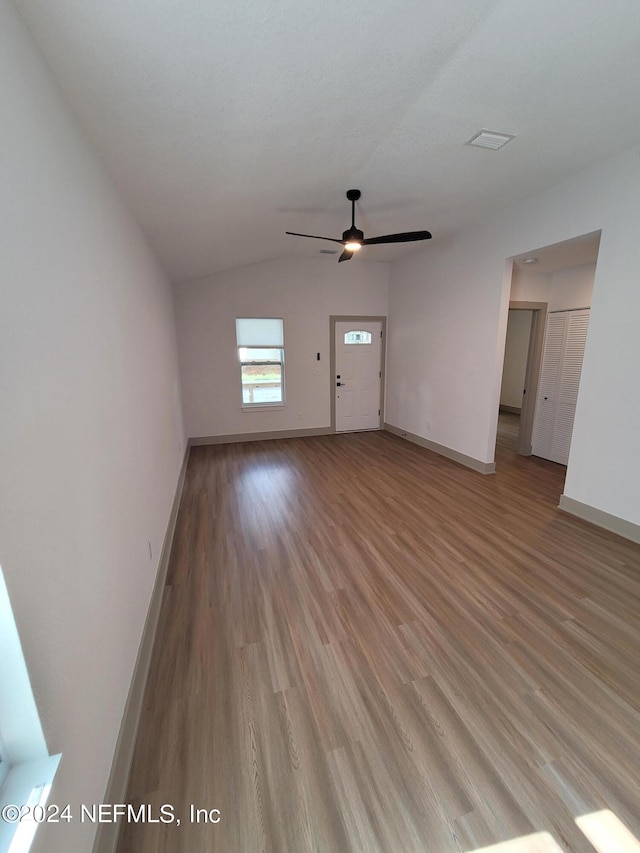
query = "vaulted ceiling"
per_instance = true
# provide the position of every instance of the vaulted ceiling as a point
(226, 123)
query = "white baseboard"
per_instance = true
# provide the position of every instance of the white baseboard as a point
(626, 529)
(441, 450)
(106, 838)
(258, 436)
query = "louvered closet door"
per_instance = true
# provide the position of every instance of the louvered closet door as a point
(565, 338)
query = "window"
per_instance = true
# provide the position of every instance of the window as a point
(26, 768)
(356, 337)
(261, 354)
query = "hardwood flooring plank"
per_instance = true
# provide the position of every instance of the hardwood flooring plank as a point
(366, 647)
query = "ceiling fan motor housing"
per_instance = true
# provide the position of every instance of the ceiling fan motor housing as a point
(352, 234)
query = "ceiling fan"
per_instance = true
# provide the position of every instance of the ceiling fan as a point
(353, 239)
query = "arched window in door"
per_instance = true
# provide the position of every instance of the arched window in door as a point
(357, 337)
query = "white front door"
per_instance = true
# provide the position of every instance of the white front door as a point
(358, 349)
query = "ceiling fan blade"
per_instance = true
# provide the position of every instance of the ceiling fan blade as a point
(314, 237)
(405, 237)
(345, 256)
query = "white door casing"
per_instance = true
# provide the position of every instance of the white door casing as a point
(358, 372)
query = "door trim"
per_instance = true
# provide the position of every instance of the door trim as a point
(355, 318)
(532, 373)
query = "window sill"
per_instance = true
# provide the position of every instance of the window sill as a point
(264, 407)
(27, 770)
(17, 789)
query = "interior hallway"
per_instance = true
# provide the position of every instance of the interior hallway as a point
(508, 431)
(366, 647)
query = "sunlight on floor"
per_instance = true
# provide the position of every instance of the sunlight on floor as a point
(607, 833)
(604, 830)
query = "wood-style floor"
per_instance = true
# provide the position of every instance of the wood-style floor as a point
(366, 647)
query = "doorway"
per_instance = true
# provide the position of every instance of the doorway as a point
(527, 323)
(545, 282)
(357, 372)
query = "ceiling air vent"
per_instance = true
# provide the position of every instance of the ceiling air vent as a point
(328, 251)
(492, 139)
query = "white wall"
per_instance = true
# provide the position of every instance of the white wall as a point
(90, 428)
(569, 288)
(304, 292)
(572, 288)
(529, 286)
(448, 312)
(445, 318)
(516, 354)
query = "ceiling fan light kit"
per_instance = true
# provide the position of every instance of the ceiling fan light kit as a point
(353, 239)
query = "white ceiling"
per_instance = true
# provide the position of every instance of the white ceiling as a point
(561, 256)
(227, 123)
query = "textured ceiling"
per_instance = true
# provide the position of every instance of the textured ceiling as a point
(227, 123)
(561, 256)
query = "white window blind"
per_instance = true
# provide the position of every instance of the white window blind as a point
(259, 332)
